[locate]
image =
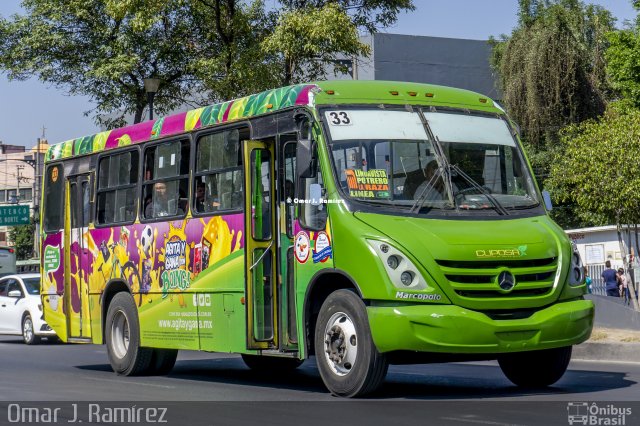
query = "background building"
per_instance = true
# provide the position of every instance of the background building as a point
(452, 62)
(20, 176)
(599, 244)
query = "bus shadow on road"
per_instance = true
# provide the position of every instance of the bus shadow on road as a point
(426, 382)
(233, 371)
(474, 381)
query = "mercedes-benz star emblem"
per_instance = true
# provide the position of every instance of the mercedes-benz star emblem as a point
(506, 280)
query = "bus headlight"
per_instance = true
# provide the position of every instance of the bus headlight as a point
(576, 272)
(401, 271)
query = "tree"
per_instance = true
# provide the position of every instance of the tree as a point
(552, 74)
(201, 50)
(93, 48)
(623, 61)
(551, 68)
(22, 238)
(308, 40)
(595, 170)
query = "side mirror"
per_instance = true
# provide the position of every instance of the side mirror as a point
(305, 161)
(15, 293)
(547, 200)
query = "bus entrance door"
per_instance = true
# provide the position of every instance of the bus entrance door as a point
(76, 257)
(260, 246)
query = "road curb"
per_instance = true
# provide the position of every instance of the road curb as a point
(599, 351)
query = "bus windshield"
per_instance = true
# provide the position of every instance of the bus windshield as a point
(389, 157)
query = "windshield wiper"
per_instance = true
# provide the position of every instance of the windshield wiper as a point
(496, 204)
(426, 191)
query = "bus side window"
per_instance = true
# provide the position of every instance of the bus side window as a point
(166, 179)
(288, 185)
(117, 187)
(54, 198)
(218, 176)
(313, 212)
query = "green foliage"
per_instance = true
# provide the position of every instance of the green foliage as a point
(598, 168)
(552, 66)
(367, 15)
(22, 238)
(201, 50)
(88, 47)
(307, 41)
(623, 63)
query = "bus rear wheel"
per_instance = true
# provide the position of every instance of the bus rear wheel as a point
(267, 364)
(348, 361)
(162, 361)
(536, 369)
(122, 335)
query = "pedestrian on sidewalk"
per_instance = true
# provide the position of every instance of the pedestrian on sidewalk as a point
(624, 288)
(587, 280)
(609, 278)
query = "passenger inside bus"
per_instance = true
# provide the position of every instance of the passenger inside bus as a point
(161, 203)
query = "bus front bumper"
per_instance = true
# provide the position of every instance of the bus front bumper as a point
(457, 330)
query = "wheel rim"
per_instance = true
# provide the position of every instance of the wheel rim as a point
(27, 330)
(120, 334)
(340, 344)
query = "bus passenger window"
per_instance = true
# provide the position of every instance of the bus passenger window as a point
(166, 187)
(117, 184)
(218, 182)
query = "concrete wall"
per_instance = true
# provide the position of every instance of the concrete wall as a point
(612, 313)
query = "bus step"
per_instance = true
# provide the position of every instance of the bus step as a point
(79, 340)
(275, 352)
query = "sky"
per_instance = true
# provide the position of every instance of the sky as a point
(30, 109)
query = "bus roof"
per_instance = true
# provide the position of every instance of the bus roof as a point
(312, 94)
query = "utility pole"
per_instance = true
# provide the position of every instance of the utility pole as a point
(19, 169)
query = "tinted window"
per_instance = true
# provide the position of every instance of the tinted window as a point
(54, 198)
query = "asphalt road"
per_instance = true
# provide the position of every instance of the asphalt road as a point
(451, 392)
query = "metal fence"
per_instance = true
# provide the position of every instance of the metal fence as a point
(597, 284)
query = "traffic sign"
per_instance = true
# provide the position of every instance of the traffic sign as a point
(14, 215)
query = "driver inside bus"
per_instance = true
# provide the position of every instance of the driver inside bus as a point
(424, 184)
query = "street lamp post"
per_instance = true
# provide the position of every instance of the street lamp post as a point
(151, 87)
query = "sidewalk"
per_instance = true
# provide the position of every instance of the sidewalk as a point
(608, 344)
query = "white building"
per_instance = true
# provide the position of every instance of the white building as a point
(599, 244)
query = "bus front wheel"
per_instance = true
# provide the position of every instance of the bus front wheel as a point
(122, 335)
(348, 361)
(536, 369)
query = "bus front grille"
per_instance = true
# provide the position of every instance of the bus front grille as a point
(479, 279)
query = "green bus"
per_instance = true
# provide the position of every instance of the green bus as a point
(367, 223)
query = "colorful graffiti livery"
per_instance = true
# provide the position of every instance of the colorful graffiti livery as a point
(249, 106)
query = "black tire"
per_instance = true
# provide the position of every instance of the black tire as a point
(162, 362)
(536, 369)
(347, 312)
(270, 364)
(28, 333)
(122, 336)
